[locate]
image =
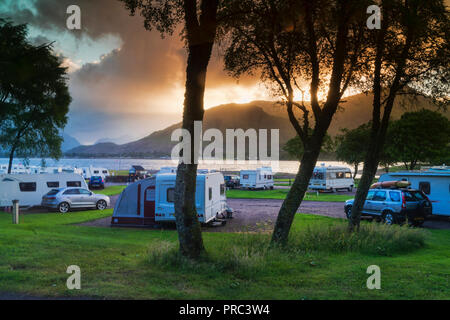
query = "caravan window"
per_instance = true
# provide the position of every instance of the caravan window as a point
(105, 171)
(339, 175)
(245, 176)
(53, 184)
(210, 193)
(96, 171)
(222, 189)
(170, 195)
(348, 175)
(74, 184)
(27, 186)
(425, 187)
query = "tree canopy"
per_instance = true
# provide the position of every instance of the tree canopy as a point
(34, 96)
(422, 136)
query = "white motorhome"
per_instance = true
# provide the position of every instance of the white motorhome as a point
(331, 178)
(434, 182)
(261, 178)
(88, 172)
(30, 188)
(167, 170)
(151, 200)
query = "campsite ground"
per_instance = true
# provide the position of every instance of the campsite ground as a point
(139, 264)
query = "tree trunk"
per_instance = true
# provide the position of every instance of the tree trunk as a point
(356, 171)
(11, 157)
(188, 226)
(369, 171)
(295, 195)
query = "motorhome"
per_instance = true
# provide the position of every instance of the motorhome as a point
(261, 178)
(151, 201)
(331, 178)
(88, 172)
(434, 182)
(30, 188)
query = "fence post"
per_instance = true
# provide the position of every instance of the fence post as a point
(15, 211)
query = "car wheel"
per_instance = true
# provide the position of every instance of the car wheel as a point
(348, 212)
(388, 218)
(63, 207)
(101, 205)
(271, 187)
(350, 189)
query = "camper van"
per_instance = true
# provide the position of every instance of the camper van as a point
(434, 182)
(261, 178)
(88, 172)
(151, 201)
(30, 188)
(331, 179)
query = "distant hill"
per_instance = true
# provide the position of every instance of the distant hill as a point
(69, 142)
(354, 111)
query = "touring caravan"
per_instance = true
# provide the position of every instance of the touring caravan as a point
(434, 182)
(261, 178)
(151, 201)
(331, 178)
(30, 188)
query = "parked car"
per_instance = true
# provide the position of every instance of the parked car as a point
(96, 182)
(65, 199)
(232, 181)
(394, 206)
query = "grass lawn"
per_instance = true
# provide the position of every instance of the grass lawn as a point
(119, 172)
(281, 194)
(111, 190)
(129, 263)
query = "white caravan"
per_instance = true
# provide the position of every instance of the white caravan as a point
(30, 188)
(261, 178)
(151, 200)
(331, 178)
(434, 182)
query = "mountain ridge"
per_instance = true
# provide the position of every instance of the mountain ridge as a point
(353, 111)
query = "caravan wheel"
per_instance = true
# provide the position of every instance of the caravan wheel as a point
(63, 207)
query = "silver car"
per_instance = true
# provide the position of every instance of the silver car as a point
(64, 199)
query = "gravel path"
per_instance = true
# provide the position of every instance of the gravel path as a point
(257, 214)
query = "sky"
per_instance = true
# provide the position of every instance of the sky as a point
(125, 81)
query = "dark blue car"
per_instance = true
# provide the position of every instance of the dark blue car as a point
(97, 182)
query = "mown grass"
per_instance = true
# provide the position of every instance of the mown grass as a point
(111, 190)
(321, 262)
(281, 194)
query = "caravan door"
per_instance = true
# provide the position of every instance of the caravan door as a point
(149, 203)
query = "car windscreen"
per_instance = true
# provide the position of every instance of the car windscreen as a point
(418, 195)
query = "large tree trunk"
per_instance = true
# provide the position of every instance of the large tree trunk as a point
(296, 193)
(188, 226)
